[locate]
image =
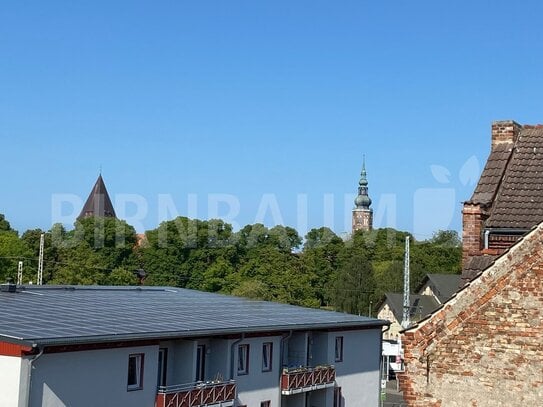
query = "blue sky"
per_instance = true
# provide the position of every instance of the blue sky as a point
(248, 99)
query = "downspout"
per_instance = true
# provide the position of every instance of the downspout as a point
(30, 367)
(487, 233)
(382, 364)
(381, 361)
(232, 353)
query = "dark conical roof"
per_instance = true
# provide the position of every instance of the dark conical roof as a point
(98, 203)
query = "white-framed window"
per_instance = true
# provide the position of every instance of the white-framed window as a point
(266, 403)
(135, 371)
(243, 359)
(267, 354)
(339, 349)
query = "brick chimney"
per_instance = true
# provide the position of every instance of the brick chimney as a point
(505, 131)
(472, 230)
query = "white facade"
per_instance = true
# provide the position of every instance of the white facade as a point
(358, 373)
(10, 374)
(258, 386)
(92, 378)
(99, 377)
(385, 313)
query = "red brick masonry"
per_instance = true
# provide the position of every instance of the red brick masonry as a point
(485, 346)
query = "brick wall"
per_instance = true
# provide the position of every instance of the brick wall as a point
(484, 348)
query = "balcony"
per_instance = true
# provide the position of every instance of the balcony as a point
(302, 379)
(218, 394)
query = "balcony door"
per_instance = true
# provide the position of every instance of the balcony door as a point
(200, 363)
(162, 366)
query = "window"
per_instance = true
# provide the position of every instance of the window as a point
(266, 403)
(200, 363)
(337, 397)
(162, 366)
(339, 349)
(267, 353)
(135, 372)
(243, 359)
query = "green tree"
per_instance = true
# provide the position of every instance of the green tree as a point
(354, 285)
(4, 224)
(79, 265)
(446, 238)
(121, 276)
(321, 258)
(12, 250)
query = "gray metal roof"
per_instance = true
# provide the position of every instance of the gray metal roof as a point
(420, 305)
(47, 315)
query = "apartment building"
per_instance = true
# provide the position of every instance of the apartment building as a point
(172, 347)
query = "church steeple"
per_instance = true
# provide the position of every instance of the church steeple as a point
(362, 213)
(98, 203)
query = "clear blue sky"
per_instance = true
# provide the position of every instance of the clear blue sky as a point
(250, 97)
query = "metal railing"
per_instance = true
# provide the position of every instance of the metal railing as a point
(302, 379)
(196, 394)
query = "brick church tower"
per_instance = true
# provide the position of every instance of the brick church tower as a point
(362, 213)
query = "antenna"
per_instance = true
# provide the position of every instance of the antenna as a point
(40, 261)
(20, 273)
(405, 318)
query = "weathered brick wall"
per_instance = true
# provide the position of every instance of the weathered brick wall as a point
(485, 347)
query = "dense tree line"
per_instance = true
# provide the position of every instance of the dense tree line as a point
(257, 262)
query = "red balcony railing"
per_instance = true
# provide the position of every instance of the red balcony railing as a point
(196, 394)
(304, 379)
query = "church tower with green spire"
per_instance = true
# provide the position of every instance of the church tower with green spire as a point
(362, 213)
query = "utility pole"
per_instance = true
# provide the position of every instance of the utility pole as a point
(405, 319)
(40, 260)
(20, 273)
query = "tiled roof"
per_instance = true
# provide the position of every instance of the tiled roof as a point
(519, 201)
(475, 265)
(79, 314)
(492, 174)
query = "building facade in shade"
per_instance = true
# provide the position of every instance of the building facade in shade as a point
(171, 347)
(362, 213)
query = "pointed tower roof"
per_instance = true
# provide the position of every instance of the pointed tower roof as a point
(98, 203)
(363, 200)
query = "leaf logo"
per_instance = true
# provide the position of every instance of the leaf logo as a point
(469, 173)
(441, 174)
